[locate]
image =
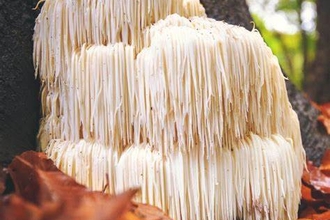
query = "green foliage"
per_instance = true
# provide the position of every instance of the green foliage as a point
(288, 49)
(288, 5)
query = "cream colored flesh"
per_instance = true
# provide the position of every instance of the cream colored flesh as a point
(194, 111)
(258, 179)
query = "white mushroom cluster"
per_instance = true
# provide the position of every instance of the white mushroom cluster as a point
(153, 94)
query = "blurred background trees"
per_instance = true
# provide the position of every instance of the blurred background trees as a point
(298, 31)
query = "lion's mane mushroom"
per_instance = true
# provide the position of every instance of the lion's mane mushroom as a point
(154, 94)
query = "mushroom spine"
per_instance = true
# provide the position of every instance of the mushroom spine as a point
(152, 93)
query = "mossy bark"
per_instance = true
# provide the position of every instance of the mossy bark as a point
(19, 104)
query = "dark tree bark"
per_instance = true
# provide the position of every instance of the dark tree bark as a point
(317, 79)
(19, 105)
(231, 11)
(314, 139)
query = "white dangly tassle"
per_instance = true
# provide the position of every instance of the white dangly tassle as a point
(190, 184)
(192, 110)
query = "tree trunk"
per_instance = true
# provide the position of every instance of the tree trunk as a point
(317, 79)
(19, 104)
(314, 139)
(304, 38)
(19, 108)
(231, 11)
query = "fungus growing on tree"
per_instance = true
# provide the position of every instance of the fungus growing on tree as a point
(153, 94)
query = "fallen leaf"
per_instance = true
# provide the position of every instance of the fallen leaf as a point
(320, 181)
(15, 207)
(306, 193)
(325, 164)
(325, 109)
(315, 190)
(45, 193)
(2, 180)
(306, 173)
(129, 216)
(307, 213)
(59, 196)
(324, 118)
(322, 216)
(325, 121)
(322, 209)
(145, 212)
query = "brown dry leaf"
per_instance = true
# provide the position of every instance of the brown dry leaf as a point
(147, 212)
(325, 165)
(325, 109)
(49, 194)
(15, 207)
(129, 216)
(308, 213)
(2, 180)
(322, 216)
(316, 190)
(322, 209)
(320, 181)
(324, 118)
(58, 196)
(306, 173)
(325, 121)
(307, 197)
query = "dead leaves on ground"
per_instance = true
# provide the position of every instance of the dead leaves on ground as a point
(42, 192)
(2, 180)
(324, 118)
(315, 202)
